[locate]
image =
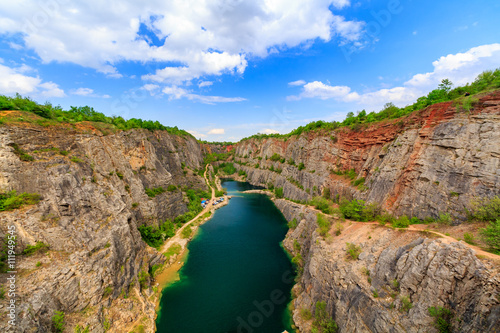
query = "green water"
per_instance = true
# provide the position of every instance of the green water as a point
(237, 277)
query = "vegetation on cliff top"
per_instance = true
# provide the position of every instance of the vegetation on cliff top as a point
(81, 113)
(11, 200)
(485, 81)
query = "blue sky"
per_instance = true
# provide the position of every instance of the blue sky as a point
(226, 69)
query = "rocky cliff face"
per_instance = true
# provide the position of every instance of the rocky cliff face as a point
(395, 280)
(425, 164)
(93, 200)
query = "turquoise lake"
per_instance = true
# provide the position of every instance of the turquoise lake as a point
(237, 277)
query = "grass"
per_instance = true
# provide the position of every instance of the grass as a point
(324, 224)
(11, 200)
(186, 232)
(305, 314)
(172, 250)
(76, 159)
(23, 156)
(406, 304)
(58, 321)
(442, 319)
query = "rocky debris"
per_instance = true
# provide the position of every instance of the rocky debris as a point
(430, 273)
(93, 200)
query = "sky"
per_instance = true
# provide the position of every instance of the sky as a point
(227, 69)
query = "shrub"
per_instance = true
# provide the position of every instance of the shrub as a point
(278, 191)
(323, 322)
(485, 209)
(323, 224)
(406, 304)
(58, 321)
(305, 314)
(444, 219)
(153, 192)
(326, 193)
(242, 173)
(322, 204)
(119, 174)
(301, 166)
(469, 238)
(276, 157)
(401, 222)
(491, 235)
(38, 247)
(11, 200)
(80, 329)
(357, 211)
(353, 251)
(23, 156)
(338, 228)
(64, 152)
(375, 293)
(415, 220)
(442, 319)
(143, 279)
(107, 291)
(292, 224)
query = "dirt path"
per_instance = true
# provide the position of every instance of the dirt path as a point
(177, 238)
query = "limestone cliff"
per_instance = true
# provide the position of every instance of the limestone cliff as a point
(93, 200)
(398, 276)
(430, 162)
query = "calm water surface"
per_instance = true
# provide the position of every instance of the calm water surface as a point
(237, 277)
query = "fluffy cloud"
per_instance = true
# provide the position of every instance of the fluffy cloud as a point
(460, 68)
(176, 92)
(297, 83)
(13, 80)
(218, 131)
(202, 84)
(269, 131)
(196, 38)
(88, 93)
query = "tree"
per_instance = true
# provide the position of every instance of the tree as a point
(445, 85)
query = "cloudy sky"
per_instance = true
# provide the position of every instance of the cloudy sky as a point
(226, 69)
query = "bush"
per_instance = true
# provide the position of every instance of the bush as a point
(23, 156)
(323, 322)
(323, 224)
(278, 191)
(275, 158)
(151, 235)
(305, 314)
(491, 235)
(442, 319)
(301, 166)
(10, 200)
(357, 210)
(353, 250)
(38, 247)
(58, 321)
(485, 209)
(469, 238)
(406, 304)
(444, 219)
(153, 192)
(143, 279)
(292, 224)
(322, 204)
(401, 222)
(171, 188)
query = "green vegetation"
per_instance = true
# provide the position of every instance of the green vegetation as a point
(58, 321)
(491, 236)
(11, 200)
(83, 113)
(278, 192)
(23, 156)
(276, 157)
(353, 251)
(186, 232)
(80, 329)
(242, 173)
(153, 192)
(401, 222)
(38, 247)
(485, 209)
(107, 291)
(172, 250)
(324, 224)
(292, 224)
(485, 81)
(442, 319)
(375, 293)
(469, 238)
(76, 160)
(38, 264)
(171, 188)
(301, 166)
(305, 314)
(2, 292)
(143, 279)
(214, 157)
(357, 210)
(322, 204)
(154, 236)
(323, 322)
(227, 168)
(406, 304)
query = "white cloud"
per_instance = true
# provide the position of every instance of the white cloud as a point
(297, 83)
(218, 131)
(203, 38)
(83, 91)
(88, 92)
(460, 68)
(176, 92)
(202, 84)
(13, 80)
(197, 134)
(268, 131)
